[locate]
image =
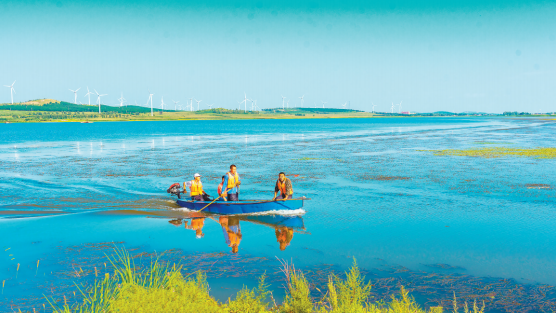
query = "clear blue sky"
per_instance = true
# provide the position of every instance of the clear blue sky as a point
(432, 55)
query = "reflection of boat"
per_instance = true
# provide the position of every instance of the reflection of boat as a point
(242, 206)
(295, 222)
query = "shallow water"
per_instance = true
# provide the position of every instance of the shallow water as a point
(376, 195)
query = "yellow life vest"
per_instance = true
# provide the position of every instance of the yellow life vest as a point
(196, 188)
(232, 180)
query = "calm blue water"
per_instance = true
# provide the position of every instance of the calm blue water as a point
(376, 195)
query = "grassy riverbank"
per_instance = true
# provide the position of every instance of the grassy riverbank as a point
(163, 288)
(49, 110)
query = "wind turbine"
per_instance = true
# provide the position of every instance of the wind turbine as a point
(98, 99)
(191, 105)
(283, 102)
(12, 90)
(210, 106)
(151, 99)
(344, 105)
(88, 94)
(373, 107)
(245, 100)
(323, 103)
(162, 103)
(288, 104)
(392, 107)
(198, 101)
(122, 100)
(175, 104)
(301, 100)
(75, 94)
(400, 107)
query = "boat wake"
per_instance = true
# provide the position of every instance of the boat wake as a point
(297, 212)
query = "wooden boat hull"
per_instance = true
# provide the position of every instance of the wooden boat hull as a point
(242, 207)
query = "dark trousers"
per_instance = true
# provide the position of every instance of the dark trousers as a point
(197, 198)
(282, 196)
(233, 197)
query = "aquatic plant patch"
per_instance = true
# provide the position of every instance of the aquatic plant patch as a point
(499, 152)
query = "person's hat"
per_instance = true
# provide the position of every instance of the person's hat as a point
(196, 175)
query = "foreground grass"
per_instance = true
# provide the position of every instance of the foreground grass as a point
(498, 152)
(161, 288)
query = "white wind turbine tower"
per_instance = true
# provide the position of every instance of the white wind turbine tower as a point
(392, 107)
(198, 101)
(210, 106)
(175, 104)
(151, 99)
(323, 103)
(98, 100)
(344, 105)
(252, 102)
(283, 102)
(89, 95)
(75, 94)
(373, 107)
(301, 100)
(191, 104)
(288, 104)
(122, 100)
(400, 107)
(162, 103)
(245, 100)
(12, 90)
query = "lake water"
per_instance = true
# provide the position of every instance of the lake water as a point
(435, 224)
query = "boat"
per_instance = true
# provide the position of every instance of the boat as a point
(86, 122)
(243, 206)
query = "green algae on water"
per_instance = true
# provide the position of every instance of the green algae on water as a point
(498, 152)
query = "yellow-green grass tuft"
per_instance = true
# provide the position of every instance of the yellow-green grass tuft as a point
(499, 152)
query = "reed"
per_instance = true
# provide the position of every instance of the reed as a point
(3, 283)
(17, 271)
(162, 288)
(37, 271)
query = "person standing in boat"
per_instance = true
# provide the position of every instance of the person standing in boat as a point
(284, 186)
(195, 188)
(231, 181)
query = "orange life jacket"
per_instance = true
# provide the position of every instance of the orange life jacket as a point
(282, 187)
(232, 180)
(196, 188)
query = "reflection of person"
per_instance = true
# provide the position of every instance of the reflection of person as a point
(284, 236)
(196, 188)
(231, 181)
(197, 224)
(232, 231)
(175, 222)
(284, 186)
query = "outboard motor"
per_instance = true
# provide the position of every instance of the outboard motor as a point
(175, 189)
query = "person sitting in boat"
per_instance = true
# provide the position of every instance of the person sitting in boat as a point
(231, 181)
(284, 236)
(197, 224)
(195, 188)
(284, 186)
(232, 232)
(221, 185)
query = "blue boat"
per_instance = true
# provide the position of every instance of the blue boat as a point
(243, 206)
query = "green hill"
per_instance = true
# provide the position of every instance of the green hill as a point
(50, 105)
